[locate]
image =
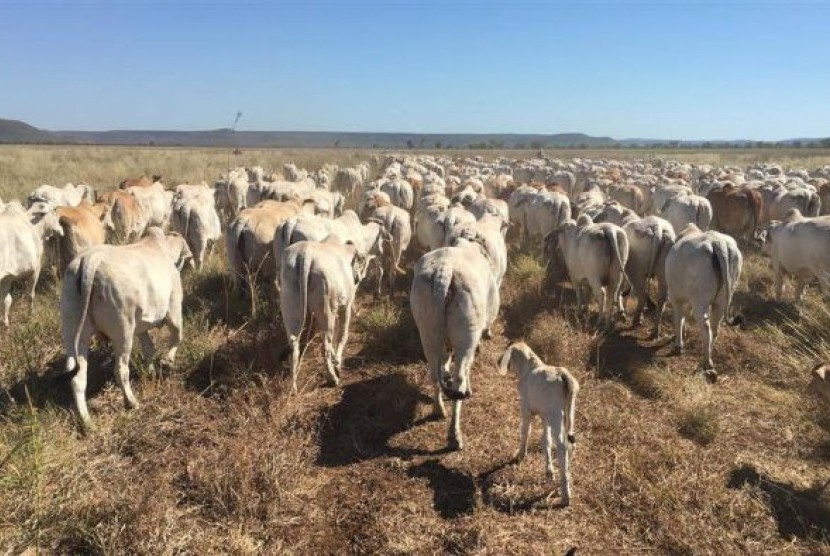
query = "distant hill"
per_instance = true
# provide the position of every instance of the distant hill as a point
(228, 138)
(14, 131)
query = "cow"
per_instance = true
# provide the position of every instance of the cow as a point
(66, 196)
(807, 202)
(22, 235)
(649, 242)
(128, 218)
(348, 181)
(367, 238)
(250, 237)
(546, 212)
(141, 181)
(702, 273)
(194, 216)
(549, 392)
(798, 247)
(396, 223)
(454, 299)
(736, 211)
(595, 254)
(82, 228)
(681, 210)
(319, 281)
(118, 292)
(154, 201)
(180, 249)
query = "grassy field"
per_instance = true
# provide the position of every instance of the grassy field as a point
(220, 458)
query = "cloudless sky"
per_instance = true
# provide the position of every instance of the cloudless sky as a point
(671, 70)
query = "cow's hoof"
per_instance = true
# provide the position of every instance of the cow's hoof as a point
(676, 350)
(454, 444)
(710, 375)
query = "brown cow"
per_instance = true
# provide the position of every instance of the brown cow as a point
(128, 218)
(142, 181)
(82, 228)
(736, 211)
(250, 238)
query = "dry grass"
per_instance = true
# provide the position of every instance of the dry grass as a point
(219, 458)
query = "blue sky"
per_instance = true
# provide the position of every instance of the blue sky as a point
(670, 70)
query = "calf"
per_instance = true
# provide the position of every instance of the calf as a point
(549, 392)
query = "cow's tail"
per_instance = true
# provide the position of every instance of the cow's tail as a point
(282, 240)
(397, 245)
(235, 243)
(756, 205)
(571, 388)
(305, 272)
(727, 274)
(615, 238)
(85, 281)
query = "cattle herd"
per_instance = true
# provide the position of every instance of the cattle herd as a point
(658, 230)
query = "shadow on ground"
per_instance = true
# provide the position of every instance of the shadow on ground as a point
(367, 416)
(454, 492)
(798, 513)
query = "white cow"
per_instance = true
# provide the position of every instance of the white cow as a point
(367, 238)
(649, 239)
(66, 196)
(194, 217)
(319, 281)
(682, 210)
(549, 392)
(396, 223)
(545, 212)
(120, 291)
(155, 203)
(22, 236)
(595, 254)
(454, 300)
(799, 247)
(702, 272)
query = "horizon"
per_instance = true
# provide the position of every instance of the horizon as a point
(654, 71)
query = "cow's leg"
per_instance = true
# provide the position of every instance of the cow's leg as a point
(604, 306)
(703, 318)
(148, 350)
(327, 324)
(679, 319)
(32, 284)
(5, 286)
(778, 283)
(562, 455)
(524, 434)
(463, 361)
(379, 266)
(344, 320)
(454, 440)
(173, 320)
(122, 346)
(660, 308)
(801, 282)
(78, 382)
